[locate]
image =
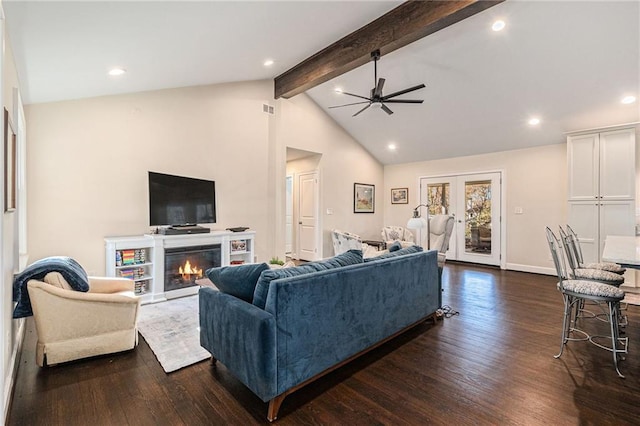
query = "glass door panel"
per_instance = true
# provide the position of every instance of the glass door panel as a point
(477, 232)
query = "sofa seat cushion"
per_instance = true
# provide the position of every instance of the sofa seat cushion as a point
(239, 281)
(403, 251)
(351, 257)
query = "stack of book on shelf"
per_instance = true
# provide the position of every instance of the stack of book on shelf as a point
(130, 257)
(141, 287)
(133, 273)
(236, 262)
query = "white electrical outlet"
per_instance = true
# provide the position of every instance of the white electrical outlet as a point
(329, 211)
(518, 210)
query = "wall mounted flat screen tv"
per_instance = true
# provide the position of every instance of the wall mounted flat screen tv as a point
(178, 200)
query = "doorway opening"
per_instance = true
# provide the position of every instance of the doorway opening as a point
(302, 210)
(475, 200)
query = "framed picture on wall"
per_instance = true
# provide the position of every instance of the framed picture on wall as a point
(399, 195)
(9, 165)
(364, 197)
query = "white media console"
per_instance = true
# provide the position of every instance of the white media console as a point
(142, 258)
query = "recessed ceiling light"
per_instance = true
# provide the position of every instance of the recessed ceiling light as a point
(391, 147)
(338, 90)
(117, 71)
(534, 121)
(628, 99)
(498, 26)
(268, 62)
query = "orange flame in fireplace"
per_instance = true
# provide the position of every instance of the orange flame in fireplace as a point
(188, 270)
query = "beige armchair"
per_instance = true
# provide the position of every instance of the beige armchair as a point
(73, 324)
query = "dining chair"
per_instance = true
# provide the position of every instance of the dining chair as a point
(576, 291)
(605, 266)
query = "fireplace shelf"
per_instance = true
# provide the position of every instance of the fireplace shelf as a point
(142, 258)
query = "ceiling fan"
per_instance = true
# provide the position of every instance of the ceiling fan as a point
(377, 99)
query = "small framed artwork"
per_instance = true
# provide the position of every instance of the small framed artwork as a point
(238, 246)
(399, 195)
(364, 197)
(9, 165)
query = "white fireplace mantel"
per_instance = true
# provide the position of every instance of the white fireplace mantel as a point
(237, 247)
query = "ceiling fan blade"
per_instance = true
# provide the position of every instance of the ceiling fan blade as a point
(355, 103)
(404, 101)
(357, 96)
(378, 91)
(402, 92)
(361, 110)
(386, 109)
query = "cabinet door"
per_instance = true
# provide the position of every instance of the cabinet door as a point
(582, 157)
(617, 165)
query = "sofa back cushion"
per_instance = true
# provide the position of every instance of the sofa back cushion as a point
(239, 281)
(406, 250)
(350, 257)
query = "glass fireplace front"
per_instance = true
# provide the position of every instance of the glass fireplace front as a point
(184, 265)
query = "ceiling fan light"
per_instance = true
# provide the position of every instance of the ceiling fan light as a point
(376, 104)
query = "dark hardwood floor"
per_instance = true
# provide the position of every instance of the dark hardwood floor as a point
(491, 364)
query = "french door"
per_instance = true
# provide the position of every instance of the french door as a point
(474, 201)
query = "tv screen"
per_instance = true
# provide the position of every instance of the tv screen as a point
(177, 200)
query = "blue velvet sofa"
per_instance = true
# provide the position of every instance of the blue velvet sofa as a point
(314, 323)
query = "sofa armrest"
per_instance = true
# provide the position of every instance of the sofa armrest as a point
(110, 284)
(242, 337)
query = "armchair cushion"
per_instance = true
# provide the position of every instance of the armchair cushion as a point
(239, 281)
(70, 270)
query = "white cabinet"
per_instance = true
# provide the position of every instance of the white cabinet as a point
(601, 187)
(602, 165)
(145, 258)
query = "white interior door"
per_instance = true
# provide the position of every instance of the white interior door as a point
(308, 216)
(474, 200)
(288, 215)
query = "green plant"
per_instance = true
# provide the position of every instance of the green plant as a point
(276, 261)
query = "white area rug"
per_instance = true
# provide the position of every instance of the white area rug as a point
(172, 331)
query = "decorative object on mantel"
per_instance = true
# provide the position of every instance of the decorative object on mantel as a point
(399, 195)
(238, 229)
(364, 196)
(416, 222)
(171, 331)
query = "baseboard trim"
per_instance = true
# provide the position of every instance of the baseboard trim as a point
(532, 269)
(10, 378)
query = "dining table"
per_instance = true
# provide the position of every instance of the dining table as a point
(623, 250)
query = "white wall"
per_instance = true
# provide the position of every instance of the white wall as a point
(88, 161)
(9, 261)
(534, 179)
(302, 124)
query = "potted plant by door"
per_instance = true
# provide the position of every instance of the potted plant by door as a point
(275, 263)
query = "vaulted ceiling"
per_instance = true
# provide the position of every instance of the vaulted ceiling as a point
(568, 63)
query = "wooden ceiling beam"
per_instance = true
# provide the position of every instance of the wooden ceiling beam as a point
(401, 26)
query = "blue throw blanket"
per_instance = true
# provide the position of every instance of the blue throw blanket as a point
(67, 267)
